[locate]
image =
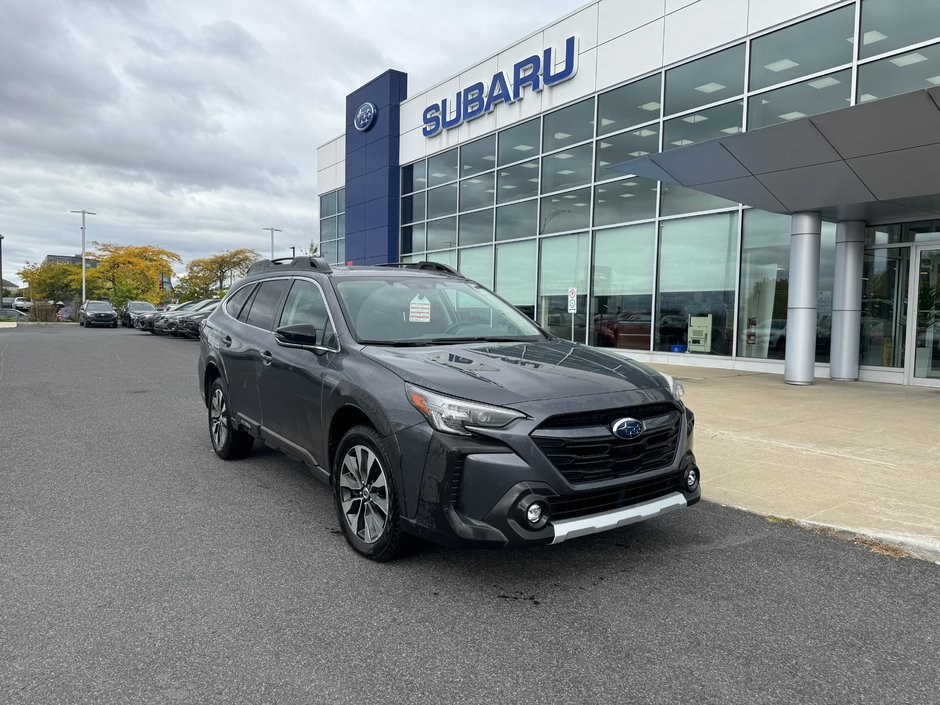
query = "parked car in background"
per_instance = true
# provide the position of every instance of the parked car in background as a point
(165, 324)
(13, 313)
(97, 313)
(22, 304)
(187, 325)
(133, 309)
(64, 313)
(145, 321)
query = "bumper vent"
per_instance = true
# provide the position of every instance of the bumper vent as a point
(583, 449)
(586, 503)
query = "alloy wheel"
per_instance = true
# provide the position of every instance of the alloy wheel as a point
(218, 419)
(364, 494)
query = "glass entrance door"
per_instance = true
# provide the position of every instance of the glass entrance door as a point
(924, 329)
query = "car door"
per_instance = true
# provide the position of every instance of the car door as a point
(295, 381)
(241, 346)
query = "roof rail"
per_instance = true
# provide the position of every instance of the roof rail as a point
(426, 266)
(266, 265)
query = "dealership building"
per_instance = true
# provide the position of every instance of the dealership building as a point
(749, 184)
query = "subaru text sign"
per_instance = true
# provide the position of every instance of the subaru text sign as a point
(535, 72)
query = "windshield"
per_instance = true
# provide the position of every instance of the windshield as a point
(140, 306)
(98, 306)
(429, 311)
(205, 305)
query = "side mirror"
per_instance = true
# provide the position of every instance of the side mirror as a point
(300, 335)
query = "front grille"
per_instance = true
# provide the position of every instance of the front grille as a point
(583, 449)
(584, 504)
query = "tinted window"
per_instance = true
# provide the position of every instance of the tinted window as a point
(264, 305)
(305, 304)
(98, 306)
(140, 306)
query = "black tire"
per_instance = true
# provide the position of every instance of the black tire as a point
(114, 325)
(228, 441)
(364, 507)
(81, 323)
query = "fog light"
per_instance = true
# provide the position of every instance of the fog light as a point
(534, 513)
(691, 479)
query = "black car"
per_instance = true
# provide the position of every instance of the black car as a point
(97, 313)
(133, 310)
(166, 323)
(435, 408)
(187, 325)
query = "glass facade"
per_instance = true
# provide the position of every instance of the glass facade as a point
(333, 226)
(546, 204)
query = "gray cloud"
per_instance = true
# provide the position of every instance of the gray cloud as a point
(193, 125)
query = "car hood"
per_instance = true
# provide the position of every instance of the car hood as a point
(512, 373)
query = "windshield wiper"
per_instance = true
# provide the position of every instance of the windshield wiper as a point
(476, 339)
(396, 343)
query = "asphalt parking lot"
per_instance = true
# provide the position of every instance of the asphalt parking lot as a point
(136, 567)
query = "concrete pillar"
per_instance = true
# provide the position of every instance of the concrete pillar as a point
(847, 301)
(800, 361)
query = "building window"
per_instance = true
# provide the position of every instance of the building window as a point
(477, 191)
(621, 309)
(563, 264)
(328, 204)
(449, 258)
(519, 142)
(633, 198)
(442, 233)
(478, 156)
(476, 263)
(707, 80)
(442, 201)
(414, 177)
(819, 95)
(328, 228)
(765, 275)
(616, 149)
(802, 49)
(678, 200)
(413, 239)
(565, 211)
(515, 274)
(629, 105)
(412, 207)
(720, 121)
(899, 74)
(888, 24)
(518, 182)
(517, 220)
(442, 167)
(476, 228)
(570, 167)
(695, 298)
(569, 126)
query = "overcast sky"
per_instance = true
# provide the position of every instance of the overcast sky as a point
(192, 124)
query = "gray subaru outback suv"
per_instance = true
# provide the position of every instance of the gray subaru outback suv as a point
(435, 409)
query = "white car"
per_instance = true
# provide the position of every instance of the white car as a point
(22, 304)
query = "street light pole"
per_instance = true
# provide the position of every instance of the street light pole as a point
(293, 251)
(84, 213)
(1, 272)
(273, 230)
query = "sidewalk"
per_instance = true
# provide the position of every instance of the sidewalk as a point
(858, 456)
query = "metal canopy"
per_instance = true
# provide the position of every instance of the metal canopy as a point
(878, 162)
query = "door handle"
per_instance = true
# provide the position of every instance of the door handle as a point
(266, 357)
(227, 341)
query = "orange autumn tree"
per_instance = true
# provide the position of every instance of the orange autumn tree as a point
(129, 272)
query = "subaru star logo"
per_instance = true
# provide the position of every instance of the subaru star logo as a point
(365, 116)
(628, 429)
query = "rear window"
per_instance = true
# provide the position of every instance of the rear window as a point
(264, 304)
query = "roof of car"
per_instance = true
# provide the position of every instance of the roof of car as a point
(310, 265)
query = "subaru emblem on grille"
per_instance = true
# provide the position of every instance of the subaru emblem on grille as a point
(628, 429)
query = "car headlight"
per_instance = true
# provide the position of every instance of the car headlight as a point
(676, 389)
(457, 416)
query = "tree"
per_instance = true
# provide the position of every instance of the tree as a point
(129, 272)
(217, 268)
(55, 281)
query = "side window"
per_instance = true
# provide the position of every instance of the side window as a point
(305, 304)
(235, 302)
(263, 306)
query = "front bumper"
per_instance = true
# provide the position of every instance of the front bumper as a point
(474, 492)
(100, 321)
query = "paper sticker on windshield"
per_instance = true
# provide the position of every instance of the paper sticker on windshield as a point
(419, 311)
